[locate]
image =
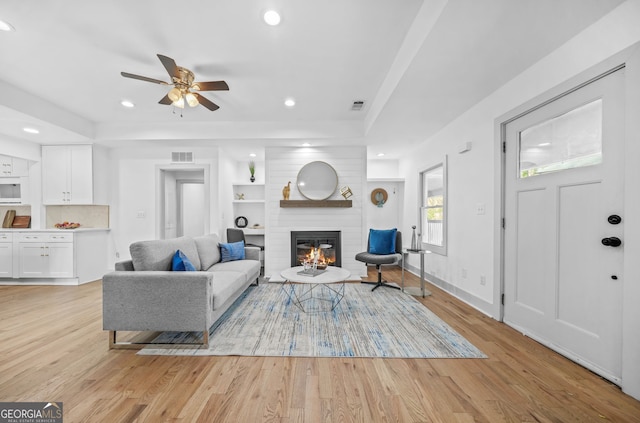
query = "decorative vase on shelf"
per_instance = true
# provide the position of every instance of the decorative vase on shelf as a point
(252, 170)
(414, 242)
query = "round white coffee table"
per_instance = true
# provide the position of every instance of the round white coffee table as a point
(302, 288)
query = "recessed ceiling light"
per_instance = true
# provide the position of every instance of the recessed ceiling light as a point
(380, 154)
(306, 144)
(127, 103)
(30, 130)
(289, 102)
(271, 17)
(6, 26)
(252, 154)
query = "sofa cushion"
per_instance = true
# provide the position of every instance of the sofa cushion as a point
(248, 268)
(232, 251)
(224, 286)
(208, 250)
(158, 254)
(181, 263)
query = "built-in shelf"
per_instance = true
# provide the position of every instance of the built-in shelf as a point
(248, 201)
(315, 203)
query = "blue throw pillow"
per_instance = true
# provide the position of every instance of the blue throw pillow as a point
(382, 241)
(232, 251)
(181, 263)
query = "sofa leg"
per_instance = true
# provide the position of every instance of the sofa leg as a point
(115, 345)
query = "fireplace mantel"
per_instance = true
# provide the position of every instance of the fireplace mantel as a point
(315, 203)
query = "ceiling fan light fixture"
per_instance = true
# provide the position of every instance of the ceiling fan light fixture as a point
(192, 100)
(179, 103)
(175, 94)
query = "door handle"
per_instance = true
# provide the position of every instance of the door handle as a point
(614, 219)
(612, 241)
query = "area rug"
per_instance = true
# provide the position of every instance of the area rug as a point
(383, 323)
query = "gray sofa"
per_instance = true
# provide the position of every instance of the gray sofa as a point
(143, 294)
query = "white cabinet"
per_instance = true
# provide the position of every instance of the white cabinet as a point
(45, 255)
(6, 254)
(67, 174)
(13, 166)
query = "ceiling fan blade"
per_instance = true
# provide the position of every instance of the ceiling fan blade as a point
(142, 78)
(210, 86)
(206, 102)
(166, 100)
(170, 65)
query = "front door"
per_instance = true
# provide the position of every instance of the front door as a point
(564, 181)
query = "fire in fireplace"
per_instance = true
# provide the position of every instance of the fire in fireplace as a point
(305, 245)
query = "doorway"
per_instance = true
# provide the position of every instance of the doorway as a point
(563, 203)
(182, 201)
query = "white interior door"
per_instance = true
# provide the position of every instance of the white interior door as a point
(191, 215)
(564, 178)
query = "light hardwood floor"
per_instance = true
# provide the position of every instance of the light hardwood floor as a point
(53, 349)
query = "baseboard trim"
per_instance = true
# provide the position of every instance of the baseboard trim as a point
(475, 302)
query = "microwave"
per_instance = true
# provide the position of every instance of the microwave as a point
(10, 191)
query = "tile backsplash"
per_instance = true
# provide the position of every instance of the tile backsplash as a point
(90, 216)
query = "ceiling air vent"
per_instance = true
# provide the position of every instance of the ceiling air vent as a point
(182, 157)
(357, 105)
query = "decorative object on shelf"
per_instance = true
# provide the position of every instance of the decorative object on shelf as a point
(346, 192)
(8, 218)
(286, 191)
(257, 226)
(67, 225)
(21, 222)
(241, 222)
(317, 181)
(379, 196)
(414, 241)
(252, 170)
(240, 196)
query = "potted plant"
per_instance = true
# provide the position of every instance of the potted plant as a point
(252, 170)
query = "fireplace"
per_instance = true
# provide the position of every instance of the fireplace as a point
(327, 244)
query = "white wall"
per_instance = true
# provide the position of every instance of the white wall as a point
(282, 166)
(133, 192)
(474, 177)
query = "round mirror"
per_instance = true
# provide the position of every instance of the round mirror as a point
(317, 181)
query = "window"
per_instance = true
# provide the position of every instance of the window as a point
(433, 208)
(571, 140)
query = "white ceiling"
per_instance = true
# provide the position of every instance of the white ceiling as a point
(417, 65)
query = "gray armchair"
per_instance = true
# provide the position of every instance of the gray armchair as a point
(381, 260)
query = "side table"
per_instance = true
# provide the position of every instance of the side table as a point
(413, 290)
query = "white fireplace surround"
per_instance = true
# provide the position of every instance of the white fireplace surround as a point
(281, 166)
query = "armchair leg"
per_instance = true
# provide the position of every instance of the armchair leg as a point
(380, 282)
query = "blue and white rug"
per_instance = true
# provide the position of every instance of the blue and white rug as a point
(383, 323)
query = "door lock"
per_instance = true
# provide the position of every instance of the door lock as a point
(611, 241)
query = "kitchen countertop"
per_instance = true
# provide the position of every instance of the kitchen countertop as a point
(81, 229)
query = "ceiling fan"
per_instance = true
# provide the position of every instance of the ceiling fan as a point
(183, 86)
